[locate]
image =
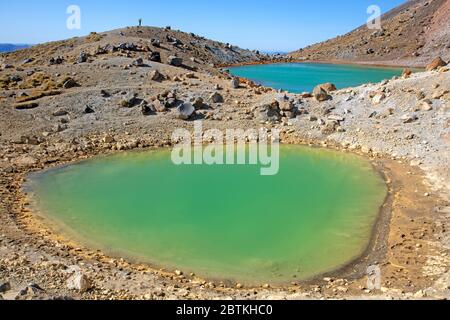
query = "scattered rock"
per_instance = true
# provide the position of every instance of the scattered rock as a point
(70, 83)
(26, 105)
(320, 94)
(105, 94)
(79, 282)
(409, 118)
(328, 87)
(198, 102)
(4, 287)
(436, 63)
(139, 62)
(235, 83)
(88, 110)
(159, 106)
(155, 75)
(155, 43)
(175, 61)
(426, 105)
(185, 111)
(130, 101)
(108, 139)
(268, 112)
(82, 58)
(406, 73)
(147, 110)
(378, 98)
(155, 57)
(216, 98)
(31, 290)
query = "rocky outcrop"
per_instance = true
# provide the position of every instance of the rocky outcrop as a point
(436, 63)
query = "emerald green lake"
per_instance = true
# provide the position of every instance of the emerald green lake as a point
(303, 77)
(224, 222)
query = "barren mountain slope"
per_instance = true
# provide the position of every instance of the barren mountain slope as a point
(136, 42)
(412, 34)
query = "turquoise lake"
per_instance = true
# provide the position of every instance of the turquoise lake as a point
(303, 77)
(221, 222)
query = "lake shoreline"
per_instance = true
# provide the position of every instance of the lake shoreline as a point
(336, 62)
(371, 251)
(39, 229)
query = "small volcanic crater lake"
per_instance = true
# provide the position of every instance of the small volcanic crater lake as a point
(303, 77)
(222, 222)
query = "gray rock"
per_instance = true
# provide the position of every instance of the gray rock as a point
(82, 58)
(70, 83)
(131, 100)
(197, 102)
(235, 83)
(185, 111)
(147, 110)
(88, 110)
(268, 113)
(155, 75)
(175, 61)
(155, 43)
(26, 105)
(155, 57)
(4, 287)
(139, 62)
(216, 98)
(60, 113)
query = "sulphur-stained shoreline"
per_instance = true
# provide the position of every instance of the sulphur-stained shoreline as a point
(53, 114)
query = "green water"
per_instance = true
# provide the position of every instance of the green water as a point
(303, 77)
(220, 222)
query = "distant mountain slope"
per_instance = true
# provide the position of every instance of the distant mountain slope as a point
(196, 51)
(412, 34)
(7, 47)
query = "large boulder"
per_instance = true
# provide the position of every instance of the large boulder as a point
(185, 111)
(328, 87)
(175, 61)
(79, 282)
(269, 112)
(320, 94)
(436, 63)
(155, 57)
(156, 76)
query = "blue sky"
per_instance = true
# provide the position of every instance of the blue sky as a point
(269, 25)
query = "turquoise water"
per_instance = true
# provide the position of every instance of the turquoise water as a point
(303, 77)
(220, 222)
